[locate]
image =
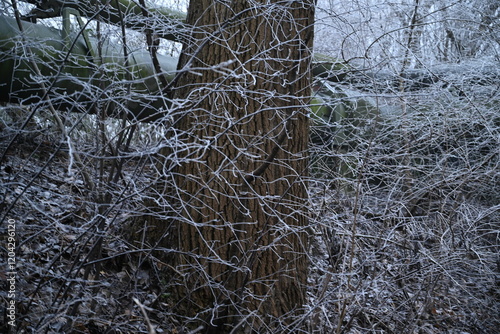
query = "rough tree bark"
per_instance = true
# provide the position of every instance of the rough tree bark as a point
(241, 180)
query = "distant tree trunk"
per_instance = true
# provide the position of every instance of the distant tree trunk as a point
(243, 135)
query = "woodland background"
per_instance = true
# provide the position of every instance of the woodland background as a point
(404, 188)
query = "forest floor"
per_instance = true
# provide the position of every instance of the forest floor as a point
(374, 268)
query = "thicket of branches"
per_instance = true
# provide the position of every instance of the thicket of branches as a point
(404, 186)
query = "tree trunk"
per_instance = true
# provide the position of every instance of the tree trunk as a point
(241, 177)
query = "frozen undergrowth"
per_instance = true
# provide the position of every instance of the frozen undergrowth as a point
(404, 239)
(407, 223)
